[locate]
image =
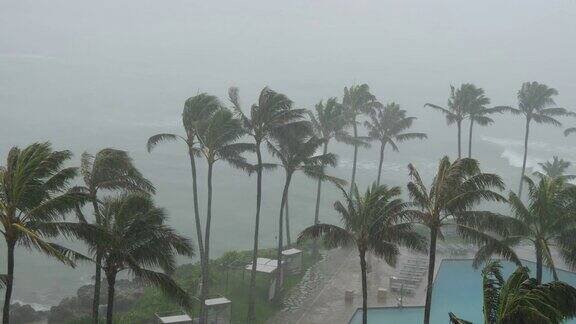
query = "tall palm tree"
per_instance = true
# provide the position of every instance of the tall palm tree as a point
(295, 147)
(218, 136)
(534, 103)
(521, 299)
(329, 121)
(135, 237)
(358, 100)
(457, 188)
(457, 109)
(478, 113)
(388, 126)
(109, 169)
(33, 199)
(373, 222)
(196, 110)
(272, 110)
(556, 168)
(547, 221)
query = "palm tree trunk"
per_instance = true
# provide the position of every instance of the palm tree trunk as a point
(98, 271)
(9, 283)
(364, 287)
(431, 265)
(459, 139)
(288, 238)
(198, 228)
(538, 249)
(470, 138)
(206, 272)
(97, 285)
(317, 210)
(252, 288)
(380, 163)
(111, 277)
(353, 180)
(525, 156)
(280, 238)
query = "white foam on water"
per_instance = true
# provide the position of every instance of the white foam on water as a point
(36, 306)
(538, 151)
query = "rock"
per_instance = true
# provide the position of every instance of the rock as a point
(23, 313)
(127, 293)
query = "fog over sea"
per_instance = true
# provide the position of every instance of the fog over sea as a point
(86, 76)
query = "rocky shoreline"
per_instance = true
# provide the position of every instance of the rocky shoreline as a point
(79, 306)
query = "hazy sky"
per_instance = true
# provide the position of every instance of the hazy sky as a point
(110, 60)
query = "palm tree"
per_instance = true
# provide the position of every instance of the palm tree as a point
(521, 299)
(478, 112)
(109, 169)
(556, 168)
(135, 238)
(547, 221)
(329, 121)
(33, 198)
(358, 100)
(295, 146)
(458, 108)
(218, 136)
(374, 222)
(457, 188)
(534, 102)
(272, 111)
(387, 125)
(196, 110)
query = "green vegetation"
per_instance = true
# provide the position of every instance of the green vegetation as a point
(228, 279)
(109, 170)
(521, 299)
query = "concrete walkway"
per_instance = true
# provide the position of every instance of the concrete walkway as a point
(341, 272)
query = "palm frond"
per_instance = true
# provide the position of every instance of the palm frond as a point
(161, 138)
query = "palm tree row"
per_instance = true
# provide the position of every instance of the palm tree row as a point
(535, 104)
(126, 232)
(212, 132)
(36, 196)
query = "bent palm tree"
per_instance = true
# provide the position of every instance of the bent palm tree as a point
(457, 109)
(457, 188)
(295, 146)
(136, 238)
(521, 299)
(534, 101)
(478, 113)
(33, 198)
(110, 169)
(387, 125)
(218, 135)
(196, 110)
(358, 100)
(271, 111)
(329, 121)
(556, 168)
(374, 222)
(546, 222)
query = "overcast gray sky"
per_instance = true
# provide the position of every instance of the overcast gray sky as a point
(83, 58)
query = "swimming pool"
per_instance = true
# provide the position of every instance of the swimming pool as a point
(457, 289)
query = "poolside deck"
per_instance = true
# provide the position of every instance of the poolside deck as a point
(340, 272)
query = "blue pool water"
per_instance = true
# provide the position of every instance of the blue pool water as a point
(457, 289)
